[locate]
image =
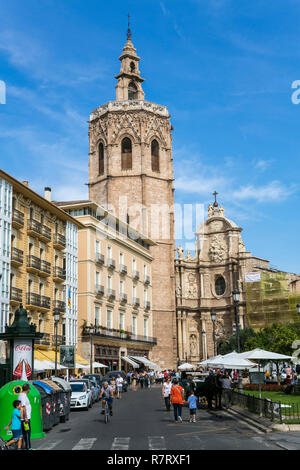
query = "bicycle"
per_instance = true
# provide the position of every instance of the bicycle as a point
(106, 412)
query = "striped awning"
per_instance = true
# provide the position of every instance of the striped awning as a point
(130, 361)
(145, 361)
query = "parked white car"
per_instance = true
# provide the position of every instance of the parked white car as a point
(80, 396)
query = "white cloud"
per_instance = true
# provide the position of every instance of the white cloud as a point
(271, 192)
(262, 164)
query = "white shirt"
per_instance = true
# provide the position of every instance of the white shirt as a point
(167, 389)
(120, 381)
(25, 402)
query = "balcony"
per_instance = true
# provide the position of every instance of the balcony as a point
(60, 340)
(59, 306)
(147, 305)
(17, 219)
(16, 295)
(45, 233)
(33, 300)
(59, 274)
(99, 289)
(146, 279)
(33, 264)
(136, 302)
(136, 275)
(123, 269)
(45, 302)
(45, 340)
(119, 335)
(17, 257)
(123, 298)
(111, 294)
(111, 264)
(99, 258)
(45, 269)
(34, 227)
(59, 241)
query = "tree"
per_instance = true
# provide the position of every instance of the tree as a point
(231, 344)
(276, 338)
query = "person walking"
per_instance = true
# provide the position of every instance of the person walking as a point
(192, 401)
(133, 381)
(16, 427)
(119, 381)
(209, 388)
(166, 392)
(142, 380)
(218, 391)
(226, 390)
(26, 407)
(177, 400)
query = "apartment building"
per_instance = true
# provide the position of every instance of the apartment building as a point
(39, 261)
(115, 287)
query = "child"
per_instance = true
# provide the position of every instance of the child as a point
(192, 400)
(15, 423)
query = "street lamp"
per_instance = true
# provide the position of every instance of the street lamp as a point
(92, 331)
(204, 344)
(56, 321)
(213, 319)
(236, 300)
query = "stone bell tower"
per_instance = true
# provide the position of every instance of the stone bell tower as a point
(131, 174)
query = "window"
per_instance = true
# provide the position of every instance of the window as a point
(121, 321)
(101, 158)
(97, 279)
(154, 155)
(145, 326)
(126, 157)
(121, 258)
(109, 252)
(109, 282)
(109, 319)
(97, 247)
(134, 324)
(220, 285)
(97, 316)
(132, 66)
(121, 287)
(132, 90)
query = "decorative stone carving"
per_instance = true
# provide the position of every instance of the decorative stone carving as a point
(191, 290)
(193, 345)
(180, 252)
(178, 290)
(217, 250)
(210, 210)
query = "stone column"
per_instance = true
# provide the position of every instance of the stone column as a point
(179, 330)
(184, 339)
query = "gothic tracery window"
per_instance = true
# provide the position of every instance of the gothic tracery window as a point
(126, 154)
(101, 158)
(220, 285)
(154, 155)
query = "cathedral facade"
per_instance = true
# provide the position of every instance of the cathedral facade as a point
(131, 175)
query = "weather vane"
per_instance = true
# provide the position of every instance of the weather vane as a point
(128, 30)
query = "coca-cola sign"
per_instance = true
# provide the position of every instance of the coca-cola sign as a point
(22, 360)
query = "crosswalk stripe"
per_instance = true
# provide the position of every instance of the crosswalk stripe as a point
(85, 444)
(50, 445)
(120, 443)
(157, 443)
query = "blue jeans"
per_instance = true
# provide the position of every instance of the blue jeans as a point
(177, 410)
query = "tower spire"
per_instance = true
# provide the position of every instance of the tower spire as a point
(129, 30)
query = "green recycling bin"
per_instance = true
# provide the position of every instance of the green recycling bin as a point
(8, 394)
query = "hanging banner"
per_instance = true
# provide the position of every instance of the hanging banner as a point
(22, 360)
(67, 356)
(253, 277)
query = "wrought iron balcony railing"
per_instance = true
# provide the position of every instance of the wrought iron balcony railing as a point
(17, 255)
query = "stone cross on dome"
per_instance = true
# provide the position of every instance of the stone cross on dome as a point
(215, 203)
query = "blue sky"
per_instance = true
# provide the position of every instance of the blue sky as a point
(224, 69)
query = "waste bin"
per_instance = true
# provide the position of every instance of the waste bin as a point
(66, 387)
(8, 394)
(47, 398)
(56, 399)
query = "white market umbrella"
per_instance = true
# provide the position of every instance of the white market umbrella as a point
(98, 364)
(263, 355)
(235, 362)
(208, 361)
(186, 366)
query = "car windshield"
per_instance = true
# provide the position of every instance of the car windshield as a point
(77, 387)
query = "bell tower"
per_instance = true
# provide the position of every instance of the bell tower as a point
(131, 174)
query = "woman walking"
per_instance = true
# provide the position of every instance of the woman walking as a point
(166, 392)
(177, 400)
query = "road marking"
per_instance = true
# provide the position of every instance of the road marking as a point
(85, 444)
(198, 432)
(50, 445)
(261, 440)
(120, 443)
(157, 443)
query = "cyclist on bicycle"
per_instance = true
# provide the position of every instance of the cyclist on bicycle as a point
(107, 394)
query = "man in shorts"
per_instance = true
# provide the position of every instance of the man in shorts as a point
(120, 381)
(107, 394)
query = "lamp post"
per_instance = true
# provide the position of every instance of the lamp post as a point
(204, 344)
(213, 319)
(92, 330)
(56, 320)
(236, 300)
